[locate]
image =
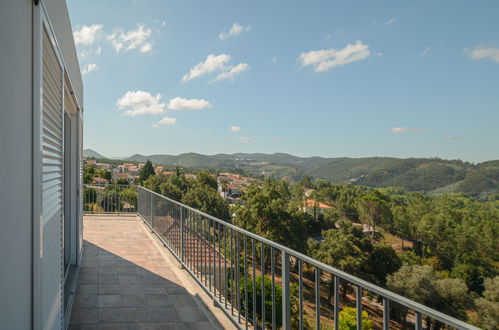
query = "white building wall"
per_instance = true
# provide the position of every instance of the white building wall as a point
(30, 235)
(15, 164)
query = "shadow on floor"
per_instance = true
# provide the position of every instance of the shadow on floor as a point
(115, 293)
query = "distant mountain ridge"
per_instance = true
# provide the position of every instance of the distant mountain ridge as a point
(92, 153)
(414, 174)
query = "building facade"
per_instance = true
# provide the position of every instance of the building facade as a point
(41, 129)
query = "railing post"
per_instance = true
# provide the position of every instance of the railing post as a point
(358, 305)
(419, 321)
(152, 212)
(182, 237)
(286, 308)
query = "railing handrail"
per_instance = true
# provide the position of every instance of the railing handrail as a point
(449, 320)
(131, 185)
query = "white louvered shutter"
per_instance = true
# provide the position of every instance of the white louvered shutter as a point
(52, 187)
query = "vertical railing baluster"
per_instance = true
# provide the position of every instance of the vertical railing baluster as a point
(152, 215)
(262, 268)
(219, 254)
(232, 271)
(300, 292)
(225, 267)
(214, 276)
(182, 236)
(199, 262)
(285, 278)
(245, 279)
(317, 298)
(336, 293)
(253, 282)
(210, 256)
(238, 274)
(358, 305)
(205, 246)
(118, 206)
(419, 321)
(386, 313)
(272, 270)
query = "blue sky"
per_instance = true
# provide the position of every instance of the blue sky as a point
(310, 78)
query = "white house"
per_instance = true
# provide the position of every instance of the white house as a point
(41, 128)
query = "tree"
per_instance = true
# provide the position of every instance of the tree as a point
(171, 190)
(207, 199)
(374, 212)
(146, 171)
(383, 260)
(107, 175)
(295, 317)
(424, 285)
(347, 319)
(205, 178)
(487, 307)
(346, 248)
(266, 212)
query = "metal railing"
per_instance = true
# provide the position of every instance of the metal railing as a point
(261, 284)
(109, 198)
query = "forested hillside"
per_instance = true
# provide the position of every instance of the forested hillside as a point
(432, 175)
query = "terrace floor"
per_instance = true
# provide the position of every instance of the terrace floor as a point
(129, 281)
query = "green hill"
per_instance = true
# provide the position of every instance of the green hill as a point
(414, 174)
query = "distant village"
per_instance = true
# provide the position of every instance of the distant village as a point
(230, 185)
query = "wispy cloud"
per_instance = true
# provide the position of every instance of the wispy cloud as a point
(326, 59)
(425, 52)
(216, 63)
(391, 21)
(138, 38)
(451, 137)
(165, 121)
(89, 68)
(87, 34)
(89, 52)
(179, 103)
(233, 31)
(481, 52)
(244, 139)
(137, 103)
(234, 128)
(397, 130)
(234, 71)
(210, 64)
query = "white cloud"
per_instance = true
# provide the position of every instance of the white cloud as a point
(165, 121)
(211, 64)
(87, 34)
(234, 31)
(244, 139)
(140, 103)
(89, 52)
(234, 71)
(481, 52)
(397, 130)
(391, 21)
(450, 137)
(147, 47)
(234, 128)
(179, 103)
(132, 39)
(89, 68)
(325, 59)
(425, 52)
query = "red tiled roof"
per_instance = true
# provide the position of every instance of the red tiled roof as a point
(312, 203)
